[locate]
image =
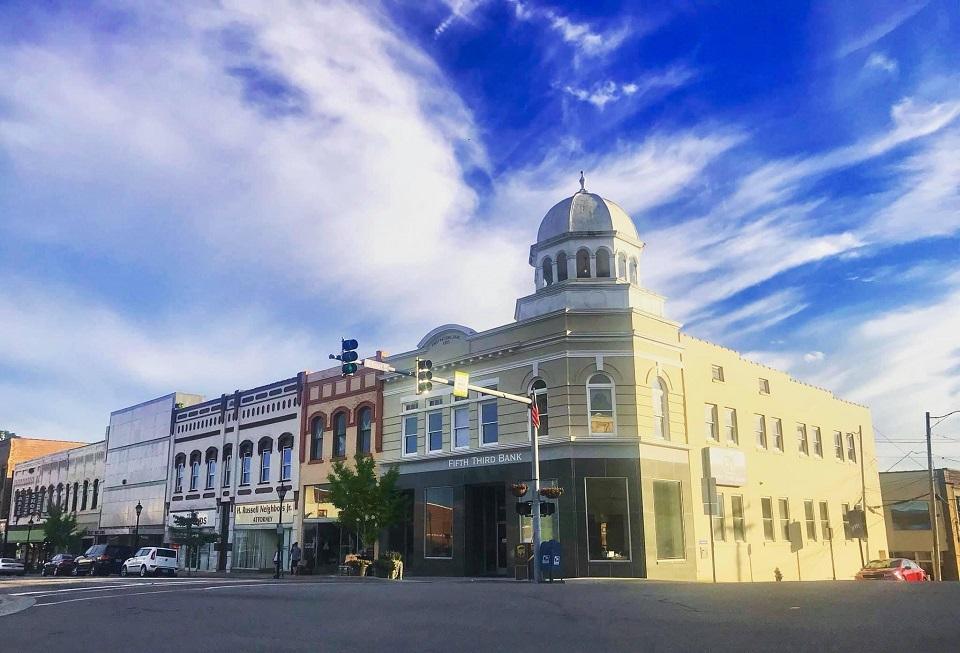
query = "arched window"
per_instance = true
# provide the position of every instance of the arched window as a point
(364, 429)
(96, 492)
(316, 438)
(211, 460)
(661, 416)
(634, 271)
(76, 491)
(246, 454)
(265, 449)
(285, 445)
(340, 435)
(179, 463)
(561, 267)
(539, 389)
(60, 496)
(66, 497)
(600, 405)
(86, 489)
(603, 263)
(583, 264)
(227, 464)
(547, 271)
(622, 266)
(194, 470)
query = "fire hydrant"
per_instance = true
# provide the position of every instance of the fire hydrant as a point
(778, 574)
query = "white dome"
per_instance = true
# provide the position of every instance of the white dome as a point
(585, 212)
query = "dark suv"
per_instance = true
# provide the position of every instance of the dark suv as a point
(101, 559)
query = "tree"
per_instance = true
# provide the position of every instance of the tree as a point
(367, 504)
(186, 532)
(60, 530)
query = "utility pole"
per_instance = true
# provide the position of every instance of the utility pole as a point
(933, 504)
(535, 508)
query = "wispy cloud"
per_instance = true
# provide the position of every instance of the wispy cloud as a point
(459, 10)
(585, 38)
(639, 89)
(879, 29)
(881, 62)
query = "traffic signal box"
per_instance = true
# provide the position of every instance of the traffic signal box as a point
(348, 357)
(424, 375)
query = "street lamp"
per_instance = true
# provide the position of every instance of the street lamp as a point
(136, 530)
(933, 492)
(29, 532)
(281, 492)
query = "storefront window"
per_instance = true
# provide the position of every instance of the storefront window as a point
(608, 519)
(600, 408)
(255, 548)
(438, 522)
(668, 518)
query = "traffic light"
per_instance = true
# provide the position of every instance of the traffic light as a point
(424, 375)
(348, 356)
(524, 508)
(547, 508)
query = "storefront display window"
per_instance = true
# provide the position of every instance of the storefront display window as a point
(668, 519)
(608, 519)
(438, 522)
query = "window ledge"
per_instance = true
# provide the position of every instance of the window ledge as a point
(315, 461)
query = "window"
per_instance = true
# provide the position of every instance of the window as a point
(285, 444)
(802, 445)
(608, 519)
(489, 426)
(661, 416)
(265, 449)
(435, 431)
(811, 520)
(717, 372)
(825, 521)
(851, 448)
(561, 267)
(600, 405)
(547, 271)
(719, 520)
(438, 522)
(817, 442)
(634, 271)
(364, 430)
(668, 519)
(766, 513)
(838, 445)
(730, 425)
(340, 435)
(911, 515)
(178, 475)
(583, 264)
(435, 401)
(246, 455)
(764, 386)
(316, 438)
(739, 523)
(461, 427)
(844, 514)
(603, 263)
(760, 430)
(83, 503)
(784, 519)
(410, 434)
(194, 470)
(539, 388)
(711, 428)
(622, 266)
(211, 470)
(227, 464)
(411, 405)
(776, 427)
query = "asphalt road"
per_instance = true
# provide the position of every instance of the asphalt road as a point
(593, 616)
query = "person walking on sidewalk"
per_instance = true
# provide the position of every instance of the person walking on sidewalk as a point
(295, 554)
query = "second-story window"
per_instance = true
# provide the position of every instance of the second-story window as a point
(286, 457)
(600, 405)
(227, 464)
(539, 388)
(410, 434)
(316, 438)
(489, 422)
(661, 416)
(265, 451)
(340, 435)
(246, 458)
(194, 470)
(211, 476)
(364, 430)
(178, 475)
(435, 431)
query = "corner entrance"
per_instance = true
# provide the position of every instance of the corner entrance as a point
(486, 530)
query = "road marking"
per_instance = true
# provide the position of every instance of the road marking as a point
(129, 585)
(186, 589)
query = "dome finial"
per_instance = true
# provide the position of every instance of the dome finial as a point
(582, 188)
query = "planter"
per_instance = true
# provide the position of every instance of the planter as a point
(519, 489)
(551, 492)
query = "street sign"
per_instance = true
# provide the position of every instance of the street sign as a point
(378, 365)
(460, 382)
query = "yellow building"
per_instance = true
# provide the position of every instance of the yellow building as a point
(647, 429)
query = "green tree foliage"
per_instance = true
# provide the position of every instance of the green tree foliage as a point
(367, 504)
(60, 530)
(186, 532)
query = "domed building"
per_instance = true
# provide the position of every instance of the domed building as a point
(678, 459)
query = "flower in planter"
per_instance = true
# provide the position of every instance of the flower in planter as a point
(551, 492)
(519, 489)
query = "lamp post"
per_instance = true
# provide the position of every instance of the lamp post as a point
(933, 492)
(29, 532)
(136, 529)
(281, 492)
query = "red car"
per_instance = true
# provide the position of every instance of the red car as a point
(60, 564)
(899, 569)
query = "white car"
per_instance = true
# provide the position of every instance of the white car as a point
(11, 567)
(152, 561)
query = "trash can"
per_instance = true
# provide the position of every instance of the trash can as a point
(522, 562)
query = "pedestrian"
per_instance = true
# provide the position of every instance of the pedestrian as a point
(277, 564)
(295, 554)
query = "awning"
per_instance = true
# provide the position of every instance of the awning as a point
(20, 536)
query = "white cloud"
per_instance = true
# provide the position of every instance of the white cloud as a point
(881, 62)
(814, 357)
(658, 84)
(583, 37)
(459, 10)
(873, 33)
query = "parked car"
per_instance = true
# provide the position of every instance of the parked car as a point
(101, 559)
(151, 560)
(897, 569)
(58, 565)
(11, 567)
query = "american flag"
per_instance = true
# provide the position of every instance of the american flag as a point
(535, 415)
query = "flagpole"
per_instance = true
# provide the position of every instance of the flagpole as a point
(535, 512)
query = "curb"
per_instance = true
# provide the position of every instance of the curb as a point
(14, 604)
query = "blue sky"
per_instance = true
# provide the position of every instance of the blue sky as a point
(207, 196)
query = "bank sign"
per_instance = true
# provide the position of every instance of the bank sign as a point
(489, 459)
(262, 514)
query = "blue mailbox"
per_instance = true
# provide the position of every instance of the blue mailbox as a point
(549, 557)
